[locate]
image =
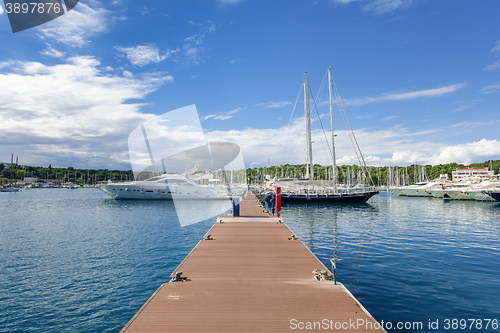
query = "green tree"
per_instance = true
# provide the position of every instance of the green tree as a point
(6, 173)
(20, 174)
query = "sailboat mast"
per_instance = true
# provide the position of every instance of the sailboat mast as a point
(334, 171)
(310, 170)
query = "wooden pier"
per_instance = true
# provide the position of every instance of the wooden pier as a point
(251, 278)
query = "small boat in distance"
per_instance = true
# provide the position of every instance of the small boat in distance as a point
(9, 188)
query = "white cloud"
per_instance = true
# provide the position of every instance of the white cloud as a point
(496, 48)
(472, 124)
(73, 112)
(409, 95)
(234, 61)
(496, 52)
(223, 116)
(344, 1)
(495, 65)
(491, 88)
(51, 52)
(386, 6)
(76, 27)
(145, 11)
(467, 153)
(467, 105)
(142, 55)
(394, 146)
(275, 104)
(229, 2)
(193, 45)
(389, 117)
(209, 116)
(1, 10)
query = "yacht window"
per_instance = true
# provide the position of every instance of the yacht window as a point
(152, 179)
(178, 182)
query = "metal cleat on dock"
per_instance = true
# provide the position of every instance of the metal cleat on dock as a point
(178, 277)
(208, 237)
(322, 275)
(293, 237)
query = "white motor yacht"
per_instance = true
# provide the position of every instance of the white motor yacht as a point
(471, 192)
(480, 193)
(440, 191)
(165, 187)
(419, 190)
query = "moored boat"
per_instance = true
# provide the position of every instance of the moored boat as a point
(494, 194)
(306, 190)
(356, 197)
(164, 187)
(9, 188)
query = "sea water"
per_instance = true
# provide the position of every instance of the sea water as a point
(77, 261)
(429, 265)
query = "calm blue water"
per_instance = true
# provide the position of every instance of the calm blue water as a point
(411, 259)
(74, 261)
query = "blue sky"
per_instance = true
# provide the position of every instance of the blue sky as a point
(419, 79)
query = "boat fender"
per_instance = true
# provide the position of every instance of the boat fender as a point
(288, 196)
(126, 190)
(317, 195)
(327, 196)
(307, 196)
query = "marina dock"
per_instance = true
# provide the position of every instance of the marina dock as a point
(252, 276)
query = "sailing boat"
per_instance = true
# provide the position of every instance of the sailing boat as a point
(313, 196)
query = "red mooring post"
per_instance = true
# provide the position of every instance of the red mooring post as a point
(278, 200)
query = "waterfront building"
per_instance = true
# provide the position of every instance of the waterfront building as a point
(462, 173)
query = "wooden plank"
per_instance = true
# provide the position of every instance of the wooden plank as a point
(250, 278)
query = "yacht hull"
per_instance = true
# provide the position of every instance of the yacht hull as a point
(480, 195)
(495, 195)
(458, 195)
(137, 192)
(330, 198)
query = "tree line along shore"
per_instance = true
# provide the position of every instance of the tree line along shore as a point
(346, 174)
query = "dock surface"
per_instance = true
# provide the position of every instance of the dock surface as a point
(251, 278)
